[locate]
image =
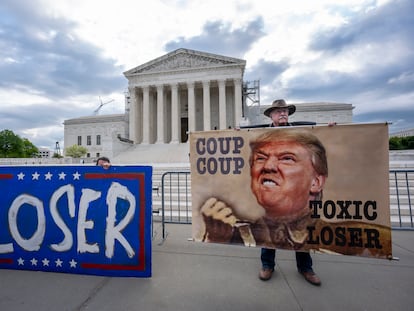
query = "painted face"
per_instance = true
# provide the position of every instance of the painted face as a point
(282, 177)
(280, 116)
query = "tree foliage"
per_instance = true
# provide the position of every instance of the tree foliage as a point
(57, 155)
(13, 146)
(401, 143)
(76, 151)
(29, 150)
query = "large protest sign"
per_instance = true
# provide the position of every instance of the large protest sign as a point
(76, 219)
(302, 188)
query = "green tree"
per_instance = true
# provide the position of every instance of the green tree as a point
(410, 142)
(76, 151)
(394, 143)
(13, 146)
(407, 142)
(29, 150)
(57, 156)
(401, 143)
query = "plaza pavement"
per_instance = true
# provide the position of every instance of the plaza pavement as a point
(196, 276)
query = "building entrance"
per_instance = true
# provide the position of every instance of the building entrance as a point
(184, 130)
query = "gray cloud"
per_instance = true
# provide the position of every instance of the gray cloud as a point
(47, 119)
(37, 115)
(266, 71)
(386, 74)
(377, 25)
(218, 37)
(398, 119)
(40, 117)
(389, 28)
(44, 55)
(41, 55)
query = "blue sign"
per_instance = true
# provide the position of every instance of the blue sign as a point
(76, 219)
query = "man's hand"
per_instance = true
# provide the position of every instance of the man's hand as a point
(219, 221)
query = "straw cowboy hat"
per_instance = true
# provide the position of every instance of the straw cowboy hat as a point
(280, 103)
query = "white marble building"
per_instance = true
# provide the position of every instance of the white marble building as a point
(99, 134)
(182, 91)
(318, 112)
(172, 95)
(403, 133)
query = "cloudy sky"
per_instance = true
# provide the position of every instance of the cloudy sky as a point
(59, 59)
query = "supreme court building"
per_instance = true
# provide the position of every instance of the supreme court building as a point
(181, 92)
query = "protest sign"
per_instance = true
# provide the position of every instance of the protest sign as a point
(317, 188)
(76, 219)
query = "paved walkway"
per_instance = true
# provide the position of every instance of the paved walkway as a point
(197, 276)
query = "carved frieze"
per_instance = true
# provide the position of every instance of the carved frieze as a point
(185, 59)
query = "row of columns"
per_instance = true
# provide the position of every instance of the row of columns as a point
(175, 110)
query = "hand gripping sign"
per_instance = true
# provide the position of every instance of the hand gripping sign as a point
(76, 219)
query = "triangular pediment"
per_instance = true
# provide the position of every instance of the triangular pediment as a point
(184, 59)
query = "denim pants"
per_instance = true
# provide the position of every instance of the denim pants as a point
(303, 260)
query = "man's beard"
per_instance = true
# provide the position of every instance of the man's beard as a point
(283, 121)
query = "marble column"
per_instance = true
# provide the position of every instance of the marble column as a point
(238, 112)
(206, 106)
(132, 115)
(175, 115)
(222, 105)
(146, 116)
(191, 107)
(160, 114)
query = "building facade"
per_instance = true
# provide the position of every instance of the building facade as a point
(183, 91)
(320, 112)
(44, 153)
(404, 133)
(100, 135)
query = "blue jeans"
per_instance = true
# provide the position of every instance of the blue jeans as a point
(303, 260)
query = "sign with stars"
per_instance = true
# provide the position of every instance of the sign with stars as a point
(76, 219)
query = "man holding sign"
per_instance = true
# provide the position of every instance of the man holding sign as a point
(275, 201)
(288, 170)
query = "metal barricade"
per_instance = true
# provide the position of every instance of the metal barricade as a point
(176, 198)
(401, 192)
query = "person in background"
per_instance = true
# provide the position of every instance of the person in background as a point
(104, 162)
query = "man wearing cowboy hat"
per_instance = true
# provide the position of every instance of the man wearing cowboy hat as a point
(279, 113)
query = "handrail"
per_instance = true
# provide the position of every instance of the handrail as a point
(403, 190)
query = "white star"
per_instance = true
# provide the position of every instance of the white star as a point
(20, 176)
(34, 262)
(35, 176)
(48, 176)
(76, 176)
(62, 175)
(45, 262)
(20, 261)
(58, 262)
(73, 263)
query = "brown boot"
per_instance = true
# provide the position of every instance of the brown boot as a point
(311, 277)
(265, 274)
